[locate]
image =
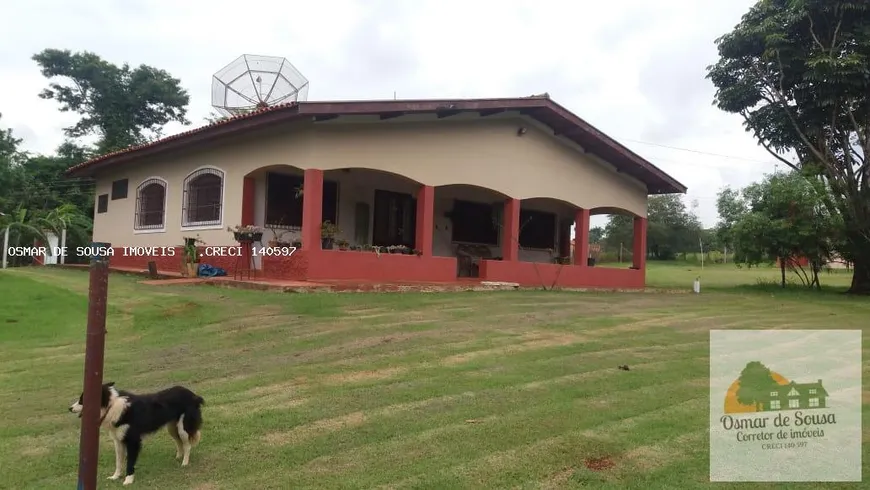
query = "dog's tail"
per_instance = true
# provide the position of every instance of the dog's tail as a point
(193, 420)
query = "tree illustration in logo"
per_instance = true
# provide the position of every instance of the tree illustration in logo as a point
(756, 383)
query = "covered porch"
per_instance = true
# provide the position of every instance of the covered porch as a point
(391, 228)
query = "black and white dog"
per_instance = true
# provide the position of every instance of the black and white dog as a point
(130, 417)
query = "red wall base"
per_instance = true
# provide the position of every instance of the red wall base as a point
(315, 266)
(570, 276)
(325, 265)
(368, 266)
(166, 262)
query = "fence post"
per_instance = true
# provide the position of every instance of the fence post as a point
(5, 245)
(98, 295)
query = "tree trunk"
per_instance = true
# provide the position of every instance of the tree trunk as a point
(782, 271)
(861, 274)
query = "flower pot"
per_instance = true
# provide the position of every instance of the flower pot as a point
(326, 243)
(247, 237)
(192, 269)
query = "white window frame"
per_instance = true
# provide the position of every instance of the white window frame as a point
(794, 403)
(139, 188)
(775, 405)
(814, 403)
(187, 225)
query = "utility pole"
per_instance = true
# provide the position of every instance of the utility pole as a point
(98, 295)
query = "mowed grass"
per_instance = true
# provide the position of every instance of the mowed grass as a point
(513, 389)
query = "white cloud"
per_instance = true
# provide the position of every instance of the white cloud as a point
(635, 69)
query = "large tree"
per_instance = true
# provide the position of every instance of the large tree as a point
(671, 229)
(785, 218)
(124, 106)
(797, 72)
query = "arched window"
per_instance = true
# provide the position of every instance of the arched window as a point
(150, 205)
(203, 196)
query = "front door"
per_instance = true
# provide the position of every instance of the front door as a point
(395, 219)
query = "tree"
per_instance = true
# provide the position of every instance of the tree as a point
(730, 207)
(796, 71)
(122, 105)
(596, 233)
(785, 218)
(756, 383)
(671, 229)
(10, 173)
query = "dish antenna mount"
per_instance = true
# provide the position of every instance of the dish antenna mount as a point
(253, 82)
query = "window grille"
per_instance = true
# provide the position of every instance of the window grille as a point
(150, 205)
(203, 196)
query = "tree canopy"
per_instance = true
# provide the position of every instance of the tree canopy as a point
(671, 228)
(796, 71)
(783, 218)
(123, 105)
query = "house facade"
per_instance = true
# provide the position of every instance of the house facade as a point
(484, 188)
(796, 396)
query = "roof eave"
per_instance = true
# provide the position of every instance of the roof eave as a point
(656, 180)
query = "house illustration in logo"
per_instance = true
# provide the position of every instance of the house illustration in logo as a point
(758, 389)
(795, 396)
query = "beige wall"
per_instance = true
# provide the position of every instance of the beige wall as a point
(483, 152)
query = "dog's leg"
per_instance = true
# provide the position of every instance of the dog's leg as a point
(173, 431)
(134, 445)
(185, 441)
(119, 458)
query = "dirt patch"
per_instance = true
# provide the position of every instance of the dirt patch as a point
(179, 309)
(539, 341)
(278, 401)
(34, 446)
(316, 428)
(274, 389)
(599, 464)
(362, 376)
(559, 479)
(660, 455)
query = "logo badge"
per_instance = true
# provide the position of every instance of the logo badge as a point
(785, 405)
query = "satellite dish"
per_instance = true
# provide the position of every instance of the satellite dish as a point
(254, 82)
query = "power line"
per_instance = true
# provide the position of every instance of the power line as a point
(700, 152)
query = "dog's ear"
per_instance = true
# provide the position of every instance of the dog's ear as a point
(110, 383)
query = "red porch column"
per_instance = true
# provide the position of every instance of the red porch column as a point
(581, 238)
(639, 252)
(249, 192)
(510, 237)
(312, 208)
(425, 219)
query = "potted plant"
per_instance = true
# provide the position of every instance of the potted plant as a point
(190, 257)
(327, 234)
(277, 234)
(342, 244)
(246, 233)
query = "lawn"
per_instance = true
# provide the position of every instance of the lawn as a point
(448, 390)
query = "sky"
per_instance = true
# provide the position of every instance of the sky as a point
(632, 68)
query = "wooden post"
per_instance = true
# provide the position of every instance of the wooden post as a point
(98, 295)
(5, 245)
(152, 269)
(62, 245)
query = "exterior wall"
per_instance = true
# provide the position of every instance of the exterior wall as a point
(485, 153)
